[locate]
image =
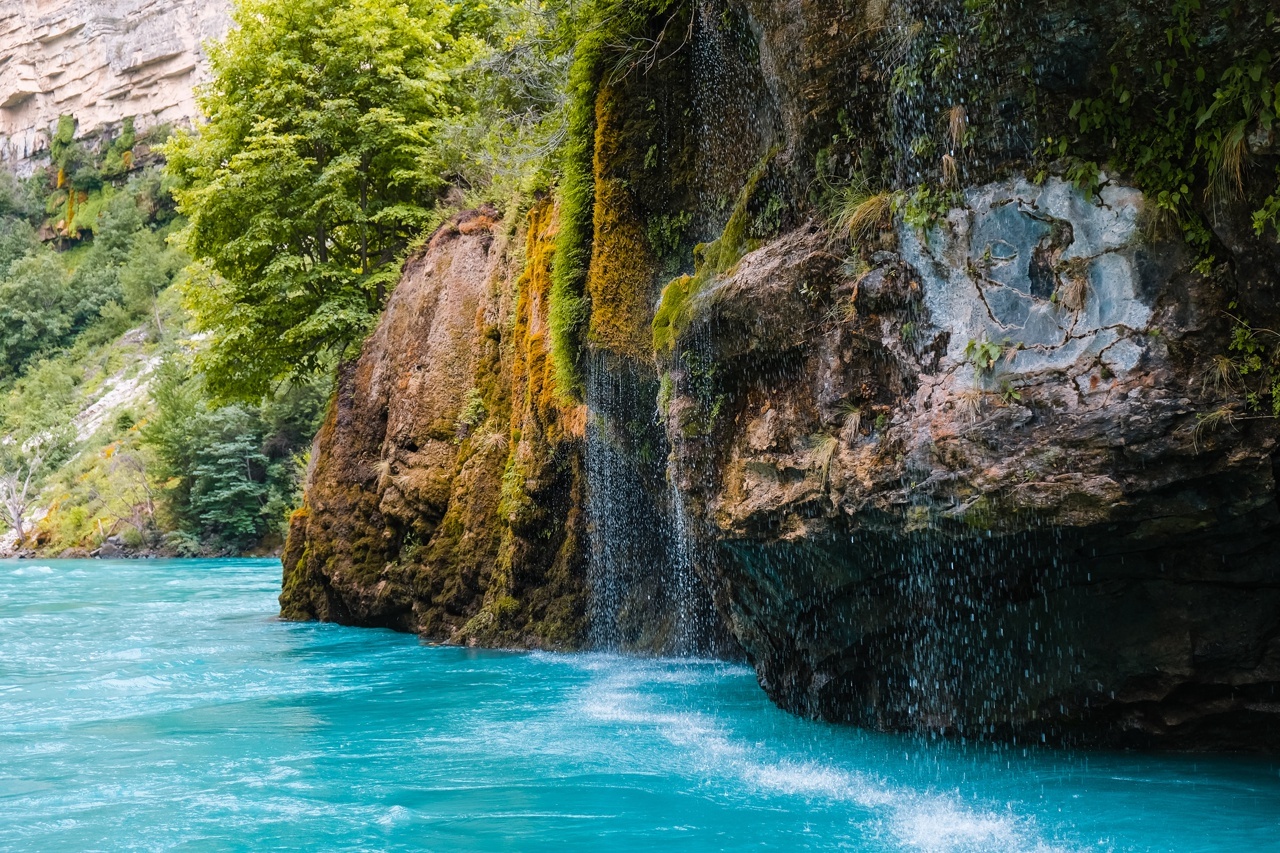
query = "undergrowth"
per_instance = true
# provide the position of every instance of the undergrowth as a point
(1178, 117)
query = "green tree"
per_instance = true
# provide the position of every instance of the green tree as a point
(229, 471)
(35, 310)
(17, 239)
(148, 270)
(314, 172)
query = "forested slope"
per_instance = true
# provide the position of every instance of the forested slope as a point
(110, 441)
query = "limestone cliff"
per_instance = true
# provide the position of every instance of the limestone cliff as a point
(99, 63)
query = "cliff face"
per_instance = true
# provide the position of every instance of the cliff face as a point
(99, 62)
(444, 491)
(978, 464)
(968, 490)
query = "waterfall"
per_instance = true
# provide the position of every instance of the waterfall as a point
(645, 592)
(683, 554)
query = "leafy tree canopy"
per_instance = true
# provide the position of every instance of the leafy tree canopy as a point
(314, 172)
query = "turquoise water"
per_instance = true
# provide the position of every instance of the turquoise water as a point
(161, 706)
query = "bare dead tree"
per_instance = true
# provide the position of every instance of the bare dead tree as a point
(15, 495)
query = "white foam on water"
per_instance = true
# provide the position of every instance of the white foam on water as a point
(934, 824)
(32, 571)
(913, 820)
(395, 816)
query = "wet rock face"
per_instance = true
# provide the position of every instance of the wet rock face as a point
(970, 489)
(99, 62)
(443, 493)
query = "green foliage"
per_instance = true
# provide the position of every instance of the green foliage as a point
(984, 355)
(1177, 115)
(64, 151)
(36, 307)
(17, 239)
(19, 200)
(511, 116)
(228, 472)
(666, 235)
(119, 155)
(702, 384)
(473, 412)
(313, 174)
(48, 299)
(926, 206)
(604, 30)
(1252, 368)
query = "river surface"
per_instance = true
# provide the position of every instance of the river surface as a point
(162, 706)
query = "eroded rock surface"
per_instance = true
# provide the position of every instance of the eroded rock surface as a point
(443, 496)
(99, 62)
(972, 489)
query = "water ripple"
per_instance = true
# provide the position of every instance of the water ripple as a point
(161, 706)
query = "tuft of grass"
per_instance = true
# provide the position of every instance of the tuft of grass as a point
(1075, 293)
(385, 478)
(824, 450)
(852, 423)
(1218, 419)
(1228, 171)
(950, 171)
(496, 442)
(862, 212)
(969, 403)
(957, 126)
(1221, 375)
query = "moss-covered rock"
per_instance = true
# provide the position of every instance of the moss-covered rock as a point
(443, 492)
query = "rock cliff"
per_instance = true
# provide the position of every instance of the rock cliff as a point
(968, 488)
(444, 495)
(99, 63)
(971, 453)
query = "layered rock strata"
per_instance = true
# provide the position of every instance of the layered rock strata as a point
(99, 63)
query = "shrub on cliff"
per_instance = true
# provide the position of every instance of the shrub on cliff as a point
(314, 172)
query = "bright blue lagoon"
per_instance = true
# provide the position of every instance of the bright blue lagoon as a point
(161, 705)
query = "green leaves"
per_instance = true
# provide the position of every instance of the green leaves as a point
(229, 470)
(1180, 123)
(314, 173)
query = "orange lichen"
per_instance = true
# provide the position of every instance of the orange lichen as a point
(623, 266)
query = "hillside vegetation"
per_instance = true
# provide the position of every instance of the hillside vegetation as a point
(108, 435)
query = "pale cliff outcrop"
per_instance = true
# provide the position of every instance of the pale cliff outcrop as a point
(99, 62)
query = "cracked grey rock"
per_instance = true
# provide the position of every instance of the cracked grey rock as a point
(999, 270)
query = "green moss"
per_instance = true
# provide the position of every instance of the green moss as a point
(88, 211)
(671, 317)
(713, 259)
(980, 515)
(623, 266)
(606, 23)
